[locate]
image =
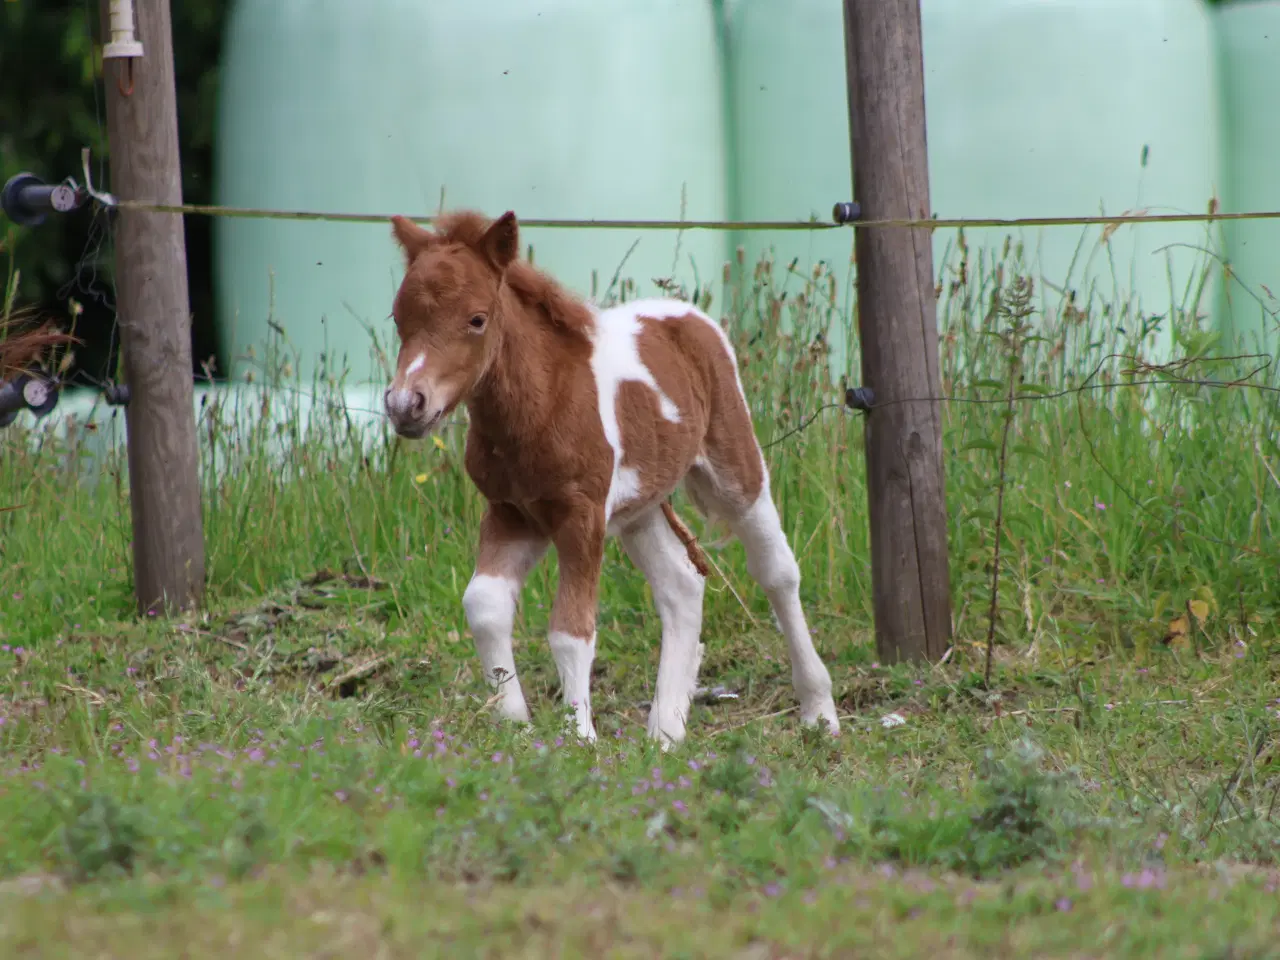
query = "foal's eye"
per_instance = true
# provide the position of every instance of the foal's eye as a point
(477, 322)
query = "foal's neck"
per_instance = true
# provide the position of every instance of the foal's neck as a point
(514, 403)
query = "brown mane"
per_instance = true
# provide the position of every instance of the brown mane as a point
(533, 288)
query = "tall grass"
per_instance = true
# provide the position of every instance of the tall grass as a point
(1123, 502)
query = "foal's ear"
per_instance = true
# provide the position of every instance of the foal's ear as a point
(501, 242)
(411, 237)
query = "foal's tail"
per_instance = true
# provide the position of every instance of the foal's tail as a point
(691, 545)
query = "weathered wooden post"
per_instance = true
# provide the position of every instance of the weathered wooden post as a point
(153, 306)
(898, 326)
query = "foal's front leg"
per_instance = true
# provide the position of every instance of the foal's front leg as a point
(509, 549)
(579, 540)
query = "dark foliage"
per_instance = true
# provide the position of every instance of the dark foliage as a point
(52, 105)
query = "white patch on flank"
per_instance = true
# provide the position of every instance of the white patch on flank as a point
(628, 316)
(417, 365)
(664, 308)
(615, 358)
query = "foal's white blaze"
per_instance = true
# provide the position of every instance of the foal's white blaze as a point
(399, 398)
(615, 357)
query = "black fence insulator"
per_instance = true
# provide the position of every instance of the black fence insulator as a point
(27, 392)
(26, 199)
(846, 211)
(116, 394)
(11, 402)
(41, 395)
(860, 398)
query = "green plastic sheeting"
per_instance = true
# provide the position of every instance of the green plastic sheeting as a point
(1034, 108)
(1249, 52)
(613, 108)
(789, 119)
(556, 109)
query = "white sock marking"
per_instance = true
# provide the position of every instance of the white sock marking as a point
(678, 593)
(574, 656)
(490, 605)
(773, 565)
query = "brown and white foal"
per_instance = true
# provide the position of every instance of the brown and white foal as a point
(583, 422)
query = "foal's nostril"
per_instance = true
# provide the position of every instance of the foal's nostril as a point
(419, 403)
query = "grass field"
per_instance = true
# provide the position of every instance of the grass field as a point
(309, 765)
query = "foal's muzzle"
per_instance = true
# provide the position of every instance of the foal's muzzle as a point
(408, 411)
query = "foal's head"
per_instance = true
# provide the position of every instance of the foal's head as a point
(448, 315)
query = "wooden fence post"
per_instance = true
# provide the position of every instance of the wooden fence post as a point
(153, 311)
(898, 327)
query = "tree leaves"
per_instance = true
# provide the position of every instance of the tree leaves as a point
(54, 106)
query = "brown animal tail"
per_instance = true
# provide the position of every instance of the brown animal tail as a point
(691, 545)
(20, 349)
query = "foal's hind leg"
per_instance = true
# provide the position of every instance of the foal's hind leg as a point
(772, 564)
(677, 592)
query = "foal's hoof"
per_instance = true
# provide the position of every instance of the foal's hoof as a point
(666, 743)
(511, 709)
(584, 732)
(821, 715)
(665, 738)
(669, 731)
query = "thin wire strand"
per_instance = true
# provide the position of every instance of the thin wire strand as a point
(1171, 378)
(1086, 386)
(932, 223)
(802, 425)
